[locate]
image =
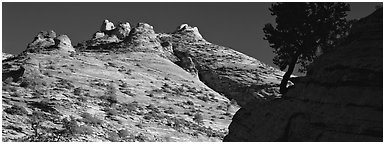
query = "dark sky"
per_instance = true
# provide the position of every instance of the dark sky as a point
(235, 25)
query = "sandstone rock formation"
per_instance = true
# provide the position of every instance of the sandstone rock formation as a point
(340, 99)
(98, 35)
(64, 43)
(44, 39)
(107, 26)
(7, 56)
(192, 31)
(122, 30)
(108, 34)
(146, 87)
(236, 75)
(108, 30)
(47, 40)
(186, 62)
(143, 36)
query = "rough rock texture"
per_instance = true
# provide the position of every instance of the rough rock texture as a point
(44, 39)
(148, 87)
(63, 42)
(98, 35)
(339, 100)
(107, 26)
(151, 99)
(106, 37)
(186, 62)
(122, 30)
(47, 41)
(143, 37)
(7, 56)
(225, 70)
(189, 30)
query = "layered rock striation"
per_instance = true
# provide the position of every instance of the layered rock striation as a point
(149, 86)
(340, 99)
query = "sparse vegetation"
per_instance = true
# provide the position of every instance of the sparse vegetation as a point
(110, 94)
(111, 112)
(33, 81)
(204, 98)
(128, 107)
(123, 133)
(198, 118)
(16, 110)
(90, 119)
(78, 91)
(170, 110)
(189, 102)
(113, 136)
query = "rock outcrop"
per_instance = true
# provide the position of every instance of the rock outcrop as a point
(130, 85)
(107, 26)
(340, 99)
(143, 38)
(122, 30)
(63, 42)
(47, 40)
(190, 31)
(106, 36)
(108, 31)
(235, 75)
(44, 39)
(7, 56)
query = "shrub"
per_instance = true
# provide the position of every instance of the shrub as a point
(169, 111)
(110, 94)
(198, 118)
(111, 111)
(84, 129)
(33, 82)
(188, 102)
(63, 83)
(179, 90)
(153, 108)
(203, 98)
(128, 107)
(72, 128)
(153, 115)
(90, 119)
(113, 136)
(123, 133)
(78, 91)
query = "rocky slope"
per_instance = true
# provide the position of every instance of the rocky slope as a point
(339, 100)
(129, 84)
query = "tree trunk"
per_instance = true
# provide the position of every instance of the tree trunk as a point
(286, 77)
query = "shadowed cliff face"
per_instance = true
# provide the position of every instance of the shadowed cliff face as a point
(339, 100)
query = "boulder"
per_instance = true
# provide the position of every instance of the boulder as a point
(189, 30)
(340, 99)
(43, 39)
(63, 42)
(107, 26)
(98, 35)
(122, 30)
(143, 37)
